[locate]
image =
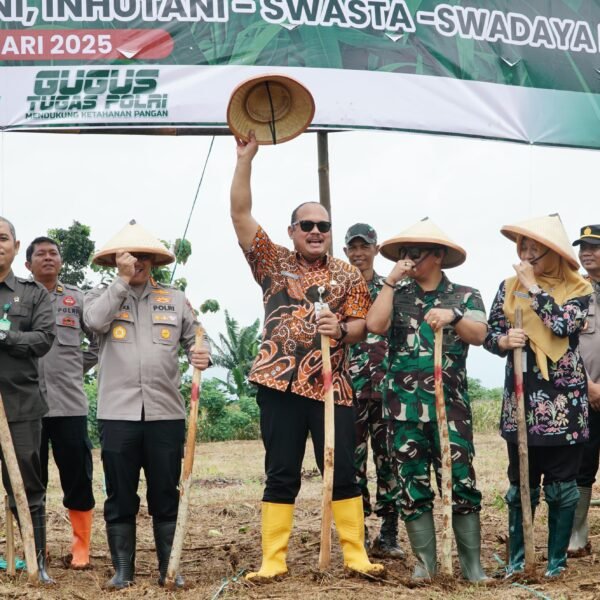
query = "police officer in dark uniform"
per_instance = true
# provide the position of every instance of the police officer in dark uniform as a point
(61, 384)
(26, 333)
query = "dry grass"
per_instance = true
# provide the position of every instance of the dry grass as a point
(224, 538)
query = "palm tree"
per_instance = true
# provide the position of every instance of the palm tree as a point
(236, 353)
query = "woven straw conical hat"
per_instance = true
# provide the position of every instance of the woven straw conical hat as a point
(424, 233)
(547, 230)
(278, 108)
(133, 238)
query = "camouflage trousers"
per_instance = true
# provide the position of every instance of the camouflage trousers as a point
(369, 422)
(416, 447)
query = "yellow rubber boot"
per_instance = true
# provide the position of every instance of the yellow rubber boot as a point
(277, 522)
(81, 522)
(350, 525)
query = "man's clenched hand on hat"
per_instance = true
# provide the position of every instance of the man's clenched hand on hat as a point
(247, 150)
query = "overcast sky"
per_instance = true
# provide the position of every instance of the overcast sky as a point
(470, 188)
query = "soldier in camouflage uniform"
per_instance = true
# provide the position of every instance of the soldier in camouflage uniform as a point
(416, 300)
(368, 364)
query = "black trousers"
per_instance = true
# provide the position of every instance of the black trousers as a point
(286, 419)
(26, 437)
(72, 451)
(128, 447)
(554, 463)
(591, 453)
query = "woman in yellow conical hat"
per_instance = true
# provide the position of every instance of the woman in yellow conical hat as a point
(554, 299)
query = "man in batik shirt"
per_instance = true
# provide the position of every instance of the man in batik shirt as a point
(288, 368)
(368, 364)
(417, 299)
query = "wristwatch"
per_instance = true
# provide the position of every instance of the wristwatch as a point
(534, 290)
(344, 330)
(458, 315)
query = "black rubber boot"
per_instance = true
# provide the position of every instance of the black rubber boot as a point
(163, 538)
(121, 542)
(38, 520)
(385, 544)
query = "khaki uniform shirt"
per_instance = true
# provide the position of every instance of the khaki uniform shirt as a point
(61, 370)
(138, 367)
(589, 338)
(31, 335)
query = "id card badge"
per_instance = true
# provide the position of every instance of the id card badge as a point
(4, 321)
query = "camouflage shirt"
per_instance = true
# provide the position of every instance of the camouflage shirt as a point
(368, 359)
(408, 390)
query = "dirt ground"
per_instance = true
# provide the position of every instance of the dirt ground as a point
(224, 540)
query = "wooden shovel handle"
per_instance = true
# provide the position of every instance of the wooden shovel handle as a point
(186, 477)
(328, 458)
(446, 457)
(523, 453)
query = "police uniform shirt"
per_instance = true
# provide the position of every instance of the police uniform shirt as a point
(61, 370)
(30, 336)
(138, 340)
(589, 338)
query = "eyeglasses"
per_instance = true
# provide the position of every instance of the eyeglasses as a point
(307, 226)
(414, 252)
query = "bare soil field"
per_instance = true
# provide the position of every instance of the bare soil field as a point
(224, 540)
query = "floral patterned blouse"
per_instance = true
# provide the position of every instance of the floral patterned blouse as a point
(556, 410)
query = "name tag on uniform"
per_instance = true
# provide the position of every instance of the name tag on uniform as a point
(291, 275)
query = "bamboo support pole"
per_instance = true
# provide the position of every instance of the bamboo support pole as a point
(329, 453)
(523, 454)
(186, 477)
(323, 171)
(446, 458)
(16, 482)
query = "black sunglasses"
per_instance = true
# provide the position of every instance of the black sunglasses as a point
(414, 252)
(307, 226)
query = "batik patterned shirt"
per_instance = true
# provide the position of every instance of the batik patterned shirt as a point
(556, 411)
(291, 346)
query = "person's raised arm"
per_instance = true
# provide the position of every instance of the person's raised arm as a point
(241, 195)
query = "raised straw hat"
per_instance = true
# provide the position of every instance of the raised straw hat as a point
(424, 233)
(276, 107)
(133, 238)
(548, 230)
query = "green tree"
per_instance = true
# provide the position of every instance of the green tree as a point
(477, 391)
(221, 419)
(236, 353)
(76, 250)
